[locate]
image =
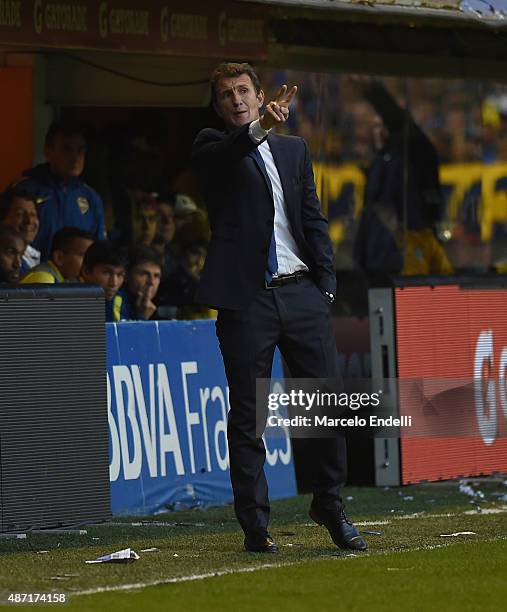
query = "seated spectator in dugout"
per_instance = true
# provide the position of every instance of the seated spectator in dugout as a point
(66, 201)
(185, 209)
(145, 217)
(192, 227)
(12, 247)
(18, 211)
(64, 265)
(105, 266)
(164, 240)
(143, 280)
(179, 288)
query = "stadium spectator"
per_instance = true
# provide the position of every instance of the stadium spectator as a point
(65, 200)
(145, 217)
(179, 288)
(164, 240)
(403, 198)
(193, 230)
(105, 266)
(143, 280)
(18, 211)
(64, 265)
(185, 209)
(12, 247)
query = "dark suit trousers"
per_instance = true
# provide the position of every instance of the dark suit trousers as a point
(296, 317)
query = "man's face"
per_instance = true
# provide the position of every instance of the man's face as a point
(11, 252)
(110, 278)
(66, 155)
(237, 102)
(144, 278)
(166, 224)
(145, 224)
(379, 133)
(69, 262)
(22, 217)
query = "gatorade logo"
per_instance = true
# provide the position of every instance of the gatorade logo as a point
(489, 386)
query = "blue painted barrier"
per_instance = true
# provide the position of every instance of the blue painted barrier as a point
(167, 411)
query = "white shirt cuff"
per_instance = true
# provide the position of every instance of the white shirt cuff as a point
(256, 131)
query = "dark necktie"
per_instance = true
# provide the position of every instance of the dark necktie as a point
(272, 263)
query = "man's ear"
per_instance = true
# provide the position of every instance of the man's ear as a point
(260, 98)
(57, 257)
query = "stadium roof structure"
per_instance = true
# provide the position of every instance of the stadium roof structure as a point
(440, 38)
(486, 12)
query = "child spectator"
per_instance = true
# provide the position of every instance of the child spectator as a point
(12, 247)
(18, 211)
(104, 265)
(67, 252)
(143, 280)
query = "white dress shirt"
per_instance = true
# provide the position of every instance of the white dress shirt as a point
(287, 252)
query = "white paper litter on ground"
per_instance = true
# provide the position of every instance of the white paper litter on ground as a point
(467, 490)
(458, 533)
(127, 555)
(488, 511)
(148, 550)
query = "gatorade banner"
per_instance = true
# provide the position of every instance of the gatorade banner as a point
(453, 340)
(210, 29)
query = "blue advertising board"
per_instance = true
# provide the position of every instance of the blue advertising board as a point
(167, 409)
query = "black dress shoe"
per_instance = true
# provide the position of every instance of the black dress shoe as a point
(262, 544)
(342, 531)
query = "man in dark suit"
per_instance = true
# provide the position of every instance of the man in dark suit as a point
(269, 272)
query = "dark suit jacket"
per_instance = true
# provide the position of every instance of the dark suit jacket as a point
(241, 212)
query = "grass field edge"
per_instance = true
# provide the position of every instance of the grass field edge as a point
(241, 570)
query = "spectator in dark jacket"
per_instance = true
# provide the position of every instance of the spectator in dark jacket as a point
(65, 200)
(402, 190)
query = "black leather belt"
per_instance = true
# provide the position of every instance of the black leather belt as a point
(278, 281)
